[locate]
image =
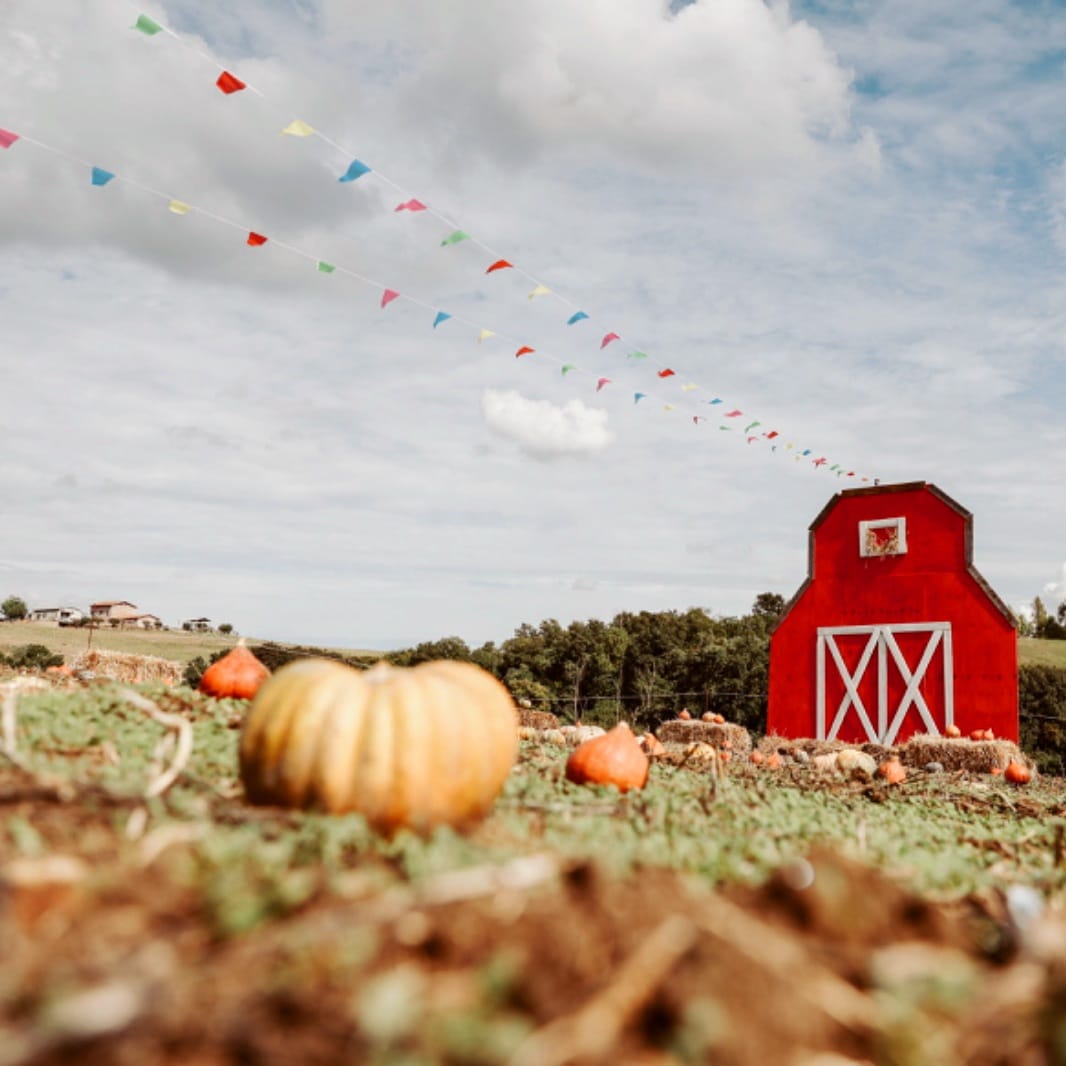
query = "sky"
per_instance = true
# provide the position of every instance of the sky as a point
(846, 220)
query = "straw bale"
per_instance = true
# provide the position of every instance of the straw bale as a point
(679, 731)
(960, 753)
(537, 719)
(132, 669)
(693, 756)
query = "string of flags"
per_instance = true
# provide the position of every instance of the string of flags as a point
(229, 84)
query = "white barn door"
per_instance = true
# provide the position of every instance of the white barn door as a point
(881, 722)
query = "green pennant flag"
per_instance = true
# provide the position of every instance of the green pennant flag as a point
(636, 355)
(147, 26)
(325, 268)
(455, 238)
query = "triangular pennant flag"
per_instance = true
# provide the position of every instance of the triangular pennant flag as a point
(524, 350)
(697, 419)
(636, 355)
(229, 84)
(442, 316)
(101, 176)
(355, 170)
(807, 452)
(298, 128)
(500, 264)
(733, 414)
(689, 387)
(455, 238)
(728, 429)
(602, 382)
(540, 290)
(638, 396)
(714, 401)
(147, 26)
(567, 367)
(750, 426)
(7, 138)
(324, 268)
(773, 433)
(750, 439)
(819, 462)
(668, 406)
(667, 373)
(410, 205)
(176, 207)
(607, 338)
(256, 239)
(835, 466)
(484, 335)
(577, 316)
(388, 296)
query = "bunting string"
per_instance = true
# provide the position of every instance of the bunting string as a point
(230, 83)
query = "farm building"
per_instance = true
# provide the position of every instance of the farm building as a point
(894, 631)
(64, 616)
(113, 611)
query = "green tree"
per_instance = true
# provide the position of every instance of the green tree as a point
(225, 629)
(1040, 617)
(14, 608)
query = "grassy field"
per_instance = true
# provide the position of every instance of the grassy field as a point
(71, 641)
(1042, 652)
(759, 917)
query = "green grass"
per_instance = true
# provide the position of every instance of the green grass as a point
(1042, 652)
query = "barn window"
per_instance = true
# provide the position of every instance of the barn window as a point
(883, 536)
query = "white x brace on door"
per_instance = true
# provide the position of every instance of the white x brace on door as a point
(882, 642)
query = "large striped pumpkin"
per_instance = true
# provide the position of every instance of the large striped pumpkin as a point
(408, 748)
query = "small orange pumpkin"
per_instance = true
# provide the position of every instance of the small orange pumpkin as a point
(652, 745)
(757, 757)
(893, 771)
(977, 734)
(1017, 773)
(774, 761)
(952, 730)
(612, 759)
(989, 735)
(236, 676)
(996, 771)
(717, 719)
(683, 714)
(707, 716)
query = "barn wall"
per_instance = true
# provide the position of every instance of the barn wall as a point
(930, 583)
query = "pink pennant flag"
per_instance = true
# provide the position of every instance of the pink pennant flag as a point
(500, 264)
(229, 84)
(750, 439)
(607, 340)
(602, 382)
(524, 350)
(696, 420)
(820, 462)
(667, 373)
(7, 138)
(388, 296)
(410, 205)
(256, 239)
(732, 414)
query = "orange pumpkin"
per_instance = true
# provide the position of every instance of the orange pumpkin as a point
(683, 714)
(707, 716)
(652, 745)
(1017, 773)
(989, 735)
(774, 762)
(952, 730)
(236, 676)
(718, 719)
(407, 748)
(757, 757)
(893, 771)
(613, 759)
(977, 734)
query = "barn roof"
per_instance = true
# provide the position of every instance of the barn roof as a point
(905, 486)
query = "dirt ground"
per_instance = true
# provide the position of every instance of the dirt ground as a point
(115, 960)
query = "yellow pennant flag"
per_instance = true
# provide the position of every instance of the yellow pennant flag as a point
(540, 290)
(484, 335)
(668, 406)
(296, 128)
(689, 387)
(178, 208)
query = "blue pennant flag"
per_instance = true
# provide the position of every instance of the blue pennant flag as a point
(101, 176)
(577, 316)
(355, 170)
(442, 316)
(638, 396)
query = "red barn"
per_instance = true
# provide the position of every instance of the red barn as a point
(894, 632)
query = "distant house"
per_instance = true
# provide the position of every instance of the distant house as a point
(198, 625)
(113, 611)
(64, 616)
(142, 621)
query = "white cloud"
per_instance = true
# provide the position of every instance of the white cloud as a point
(545, 430)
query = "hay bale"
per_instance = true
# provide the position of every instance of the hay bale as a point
(960, 753)
(537, 719)
(692, 756)
(131, 669)
(679, 731)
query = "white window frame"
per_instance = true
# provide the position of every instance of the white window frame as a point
(898, 524)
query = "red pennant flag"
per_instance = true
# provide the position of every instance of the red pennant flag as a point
(696, 420)
(388, 296)
(732, 414)
(410, 205)
(602, 382)
(229, 84)
(524, 350)
(607, 340)
(256, 239)
(667, 373)
(820, 462)
(500, 264)
(773, 433)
